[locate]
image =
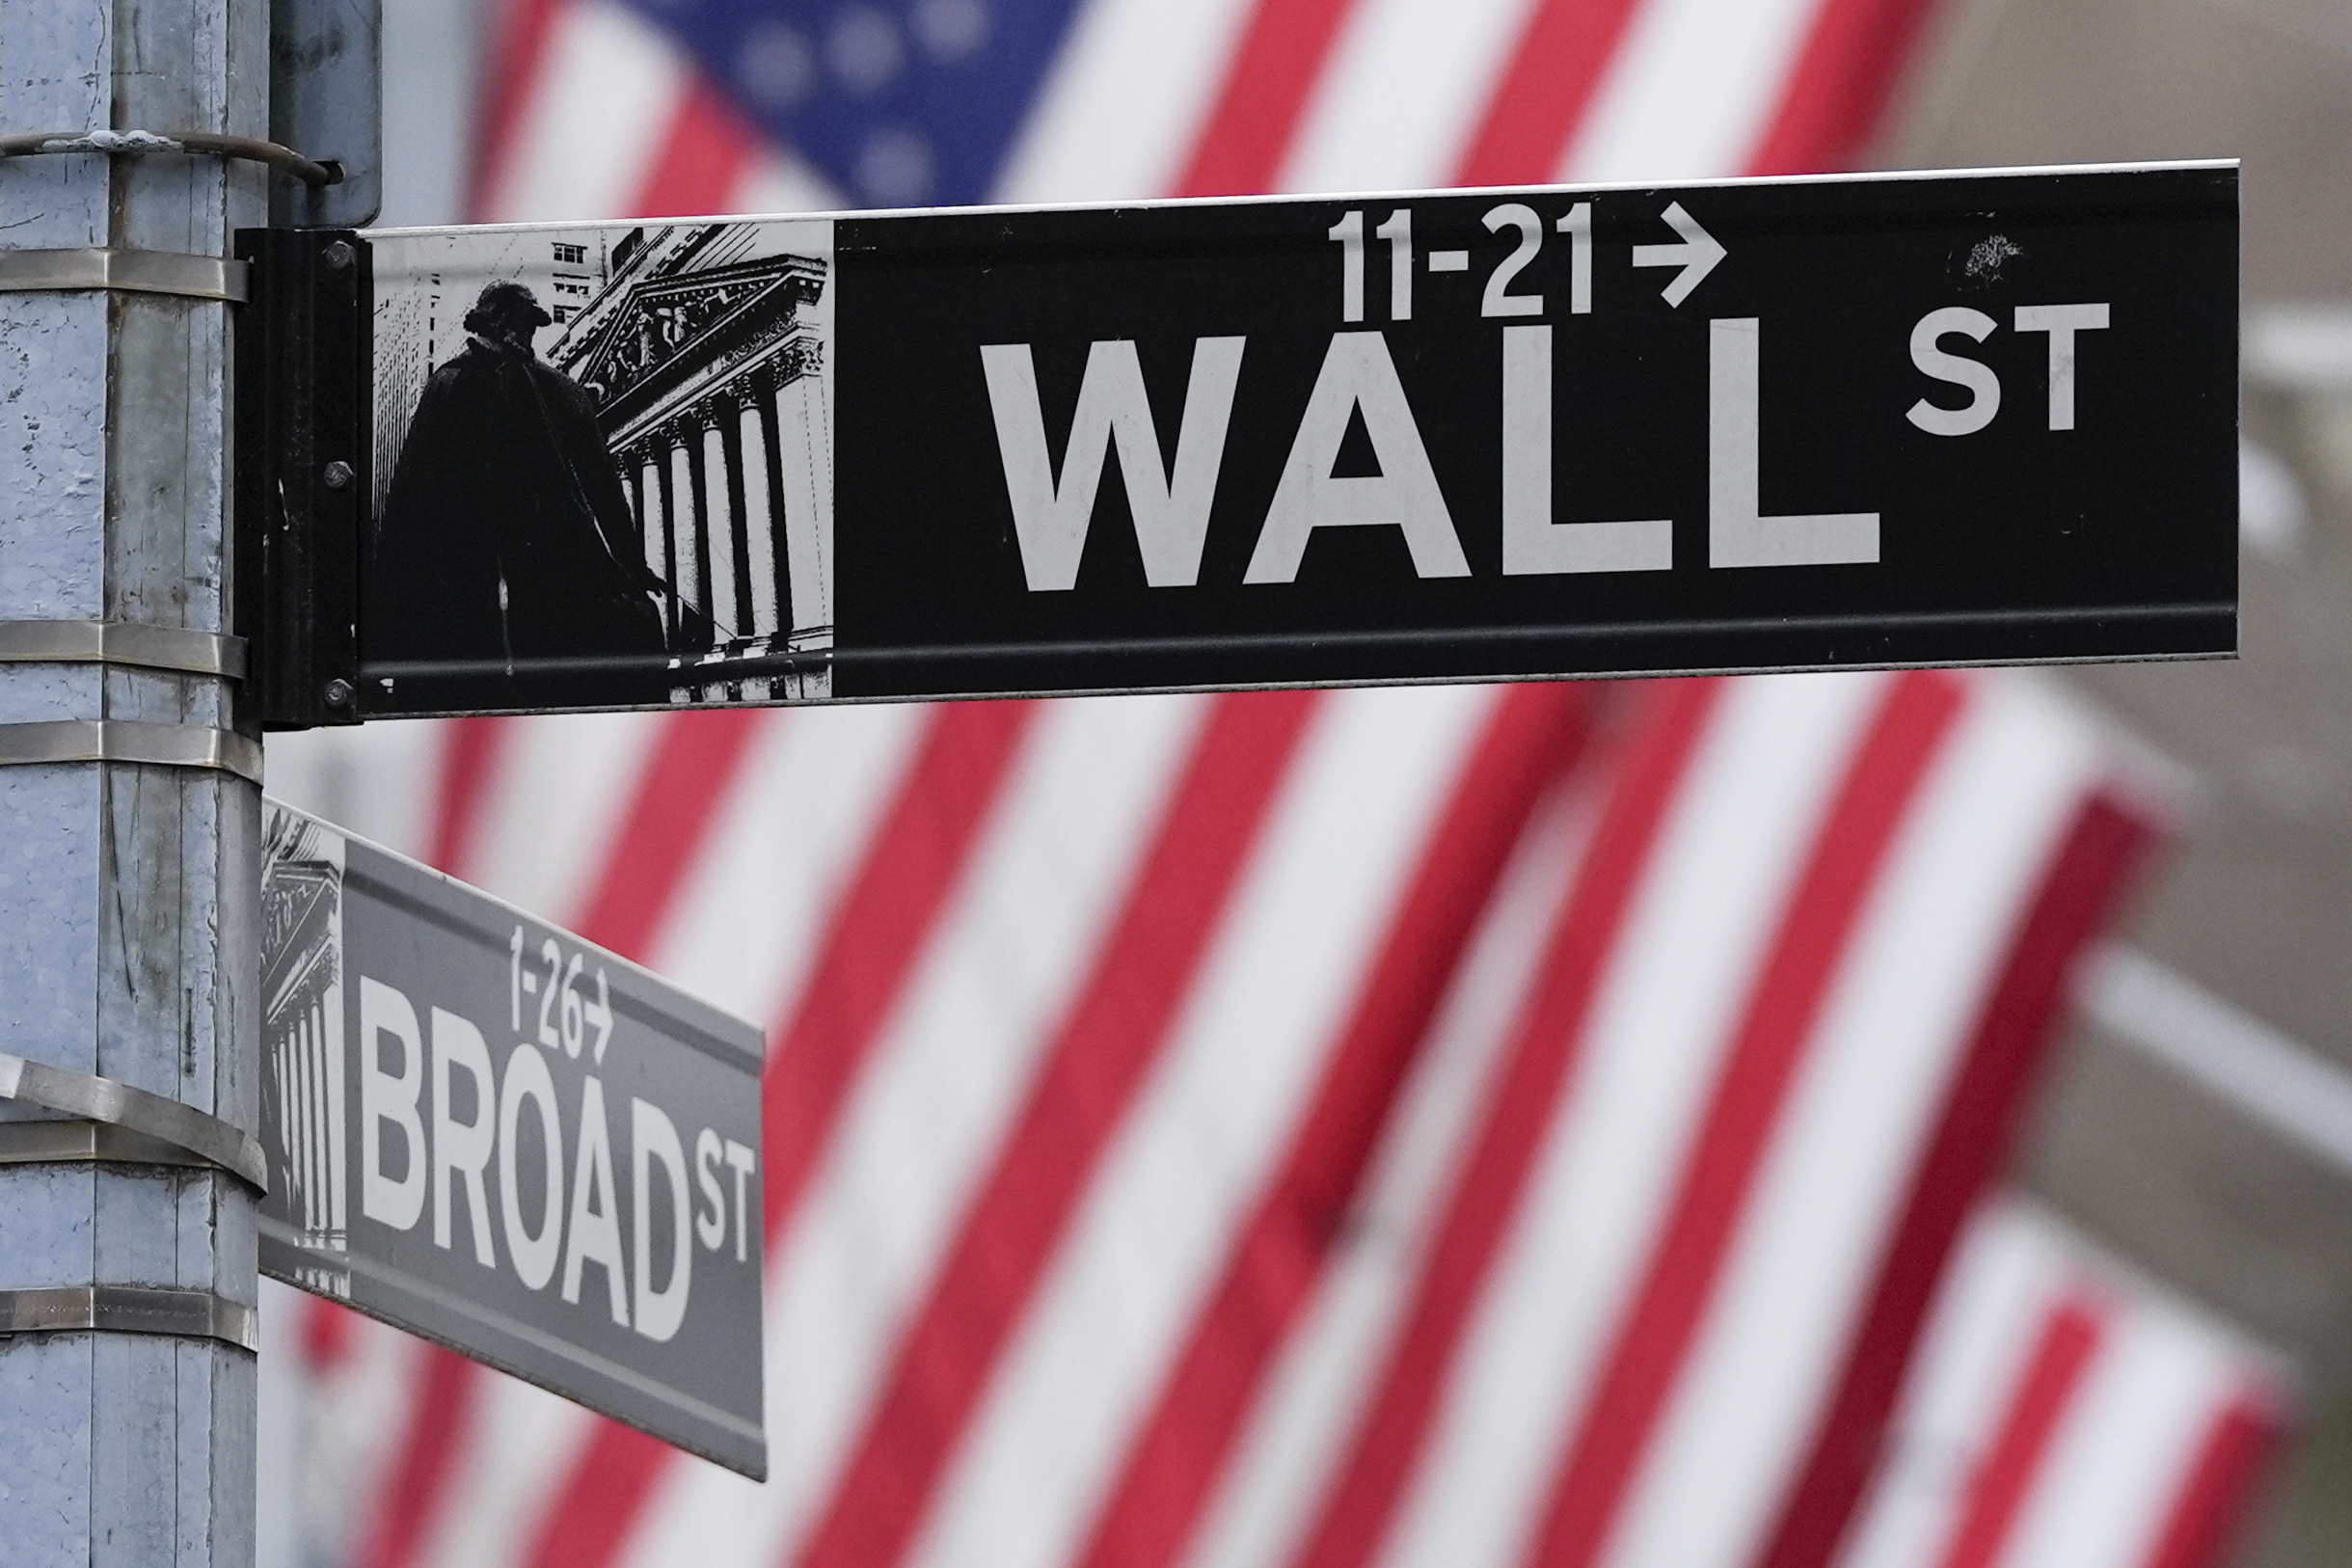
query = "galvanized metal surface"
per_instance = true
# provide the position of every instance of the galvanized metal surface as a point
(133, 272)
(117, 643)
(113, 1309)
(87, 1143)
(102, 1099)
(126, 891)
(113, 740)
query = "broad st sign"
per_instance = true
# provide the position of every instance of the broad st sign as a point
(1912, 419)
(486, 1132)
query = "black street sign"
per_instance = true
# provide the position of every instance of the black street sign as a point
(486, 1132)
(1899, 419)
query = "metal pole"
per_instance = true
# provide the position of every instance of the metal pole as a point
(129, 889)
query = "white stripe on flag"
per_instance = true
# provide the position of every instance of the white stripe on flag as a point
(1691, 91)
(795, 823)
(776, 182)
(927, 1117)
(369, 1390)
(1407, 86)
(373, 781)
(1125, 101)
(1876, 1074)
(1729, 848)
(1279, 979)
(593, 128)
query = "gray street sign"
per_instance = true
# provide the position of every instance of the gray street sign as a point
(489, 1132)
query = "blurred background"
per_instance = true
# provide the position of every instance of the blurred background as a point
(2189, 1138)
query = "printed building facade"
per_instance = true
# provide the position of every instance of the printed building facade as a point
(707, 365)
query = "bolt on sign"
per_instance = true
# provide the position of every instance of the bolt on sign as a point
(1764, 424)
(486, 1132)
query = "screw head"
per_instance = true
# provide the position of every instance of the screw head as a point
(339, 254)
(337, 474)
(339, 692)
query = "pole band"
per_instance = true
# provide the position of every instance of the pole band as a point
(89, 1143)
(119, 740)
(92, 1098)
(129, 1308)
(120, 143)
(136, 272)
(118, 642)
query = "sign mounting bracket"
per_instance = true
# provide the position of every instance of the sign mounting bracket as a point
(305, 468)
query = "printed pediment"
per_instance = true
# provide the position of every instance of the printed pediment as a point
(662, 329)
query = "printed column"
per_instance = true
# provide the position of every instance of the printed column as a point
(727, 409)
(645, 490)
(687, 571)
(664, 490)
(779, 515)
(717, 530)
(807, 452)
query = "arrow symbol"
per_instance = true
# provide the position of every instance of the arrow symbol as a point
(1696, 254)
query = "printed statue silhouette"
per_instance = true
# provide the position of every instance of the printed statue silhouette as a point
(507, 544)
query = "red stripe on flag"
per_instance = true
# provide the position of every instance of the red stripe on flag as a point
(1543, 93)
(1085, 1084)
(910, 866)
(1654, 1336)
(446, 1388)
(1530, 741)
(705, 150)
(1518, 1109)
(1836, 94)
(2061, 1353)
(325, 1332)
(588, 1521)
(2095, 863)
(469, 753)
(2219, 1485)
(518, 57)
(695, 759)
(1275, 66)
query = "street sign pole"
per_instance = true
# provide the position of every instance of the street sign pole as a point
(129, 859)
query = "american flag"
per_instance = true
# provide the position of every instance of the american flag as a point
(2067, 1415)
(673, 107)
(1488, 1125)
